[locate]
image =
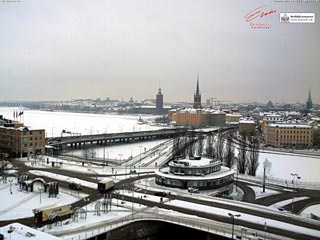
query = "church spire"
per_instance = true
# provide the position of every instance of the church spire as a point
(309, 103)
(197, 89)
(197, 96)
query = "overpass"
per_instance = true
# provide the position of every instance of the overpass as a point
(78, 141)
(107, 139)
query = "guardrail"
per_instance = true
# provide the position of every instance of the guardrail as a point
(214, 227)
(283, 182)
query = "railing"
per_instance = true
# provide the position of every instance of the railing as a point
(283, 182)
(192, 223)
(206, 225)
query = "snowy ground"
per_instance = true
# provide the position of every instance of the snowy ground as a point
(288, 201)
(64, 178)
(283, 165)
(87, 168)
(314, 209)
(121, 151)
(259, 192)
(19, 204)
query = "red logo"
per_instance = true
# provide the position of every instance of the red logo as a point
(258, 13)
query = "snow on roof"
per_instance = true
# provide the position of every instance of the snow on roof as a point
(19, 231)
(234, 115)
(247, 120)
(203, 111)
(164, 172)
(288, 125)
(195, 163)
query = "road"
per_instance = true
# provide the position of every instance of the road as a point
(249, 197)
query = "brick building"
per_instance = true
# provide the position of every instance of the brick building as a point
(19, 140)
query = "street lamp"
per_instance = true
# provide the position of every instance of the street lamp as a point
(86, 200)
(140, 154)
(265, 230)
(294, 175)
(120, 155)
(40, 190)
(52, 131)
(232, 217)
(10, 181)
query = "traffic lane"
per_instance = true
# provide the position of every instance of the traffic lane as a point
(215, 217)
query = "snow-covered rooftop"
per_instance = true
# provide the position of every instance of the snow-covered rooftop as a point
(247, 120)
(195, 163)
(164, 172)
(288, 125)
(19, 231)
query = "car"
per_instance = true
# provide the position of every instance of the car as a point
(193, 190)
(160, 194)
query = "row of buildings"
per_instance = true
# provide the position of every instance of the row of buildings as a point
(277, 131)
(19, 140)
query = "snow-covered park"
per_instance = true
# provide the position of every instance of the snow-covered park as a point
(16, 203)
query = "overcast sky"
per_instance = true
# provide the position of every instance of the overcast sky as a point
(62, 50)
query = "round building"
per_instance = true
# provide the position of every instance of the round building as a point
(199, 173)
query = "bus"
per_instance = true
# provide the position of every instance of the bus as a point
(105, 185)
(44, 215)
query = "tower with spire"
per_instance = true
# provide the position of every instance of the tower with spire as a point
(197, 96)
(309, 103)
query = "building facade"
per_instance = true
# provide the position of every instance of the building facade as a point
(247, 126)
(288, 135)
(233, 118)
(198, 117)
(268, 119)
(19, 140)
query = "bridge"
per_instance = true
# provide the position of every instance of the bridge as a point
(106, 139)
(78, 141)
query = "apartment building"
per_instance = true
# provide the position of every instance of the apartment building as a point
(288, 135)
(19, 140)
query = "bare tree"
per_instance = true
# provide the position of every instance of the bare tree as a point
(200, 145)
(209, 146)
(219, 145)
(253, 156)
(89, 154)
(242, 157)
(229, 153)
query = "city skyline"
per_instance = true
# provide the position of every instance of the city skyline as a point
(63, 51)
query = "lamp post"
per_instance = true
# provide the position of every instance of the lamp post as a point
(294, 175)
(10, 181)
(40, 190)
(265, 230)
(132, 199)
(232, 217)
(86, 200)
(52, 131)
(140, 154)
(120, 155)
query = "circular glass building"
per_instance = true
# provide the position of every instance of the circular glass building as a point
(197, 173)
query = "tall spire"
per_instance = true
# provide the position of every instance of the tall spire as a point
(197, 89)
(197, 96)
(309, 97)
(309, 103)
